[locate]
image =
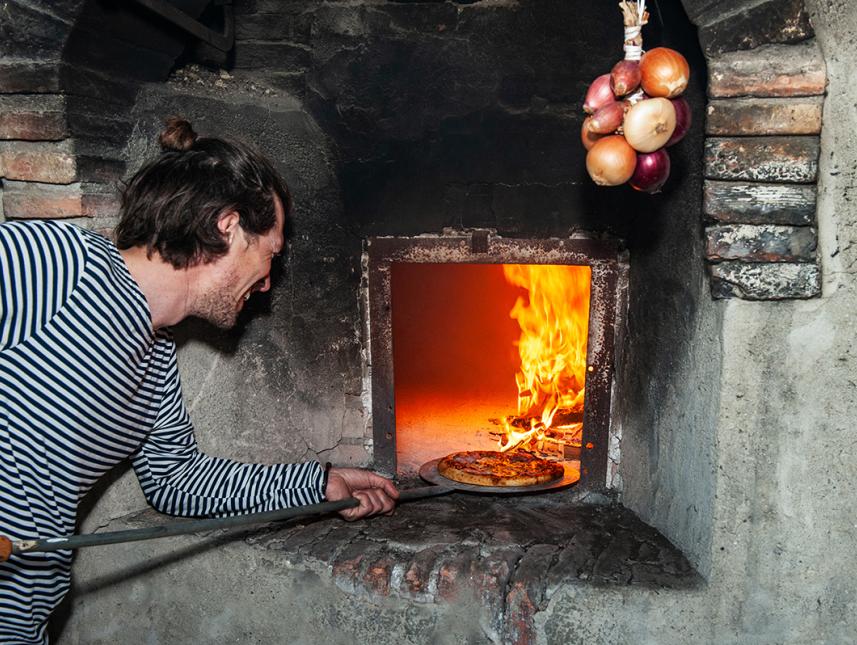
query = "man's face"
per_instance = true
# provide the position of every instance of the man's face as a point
(245, 268)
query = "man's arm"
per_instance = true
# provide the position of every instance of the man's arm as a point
(180, 480)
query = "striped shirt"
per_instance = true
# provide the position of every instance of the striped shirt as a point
(85, 383)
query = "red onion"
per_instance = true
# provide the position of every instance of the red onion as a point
(607, 118)
(598, 94)
(651, 172)
(683, 119)
(625, 77)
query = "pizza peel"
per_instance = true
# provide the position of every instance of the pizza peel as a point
(9, 547)
(429, 472)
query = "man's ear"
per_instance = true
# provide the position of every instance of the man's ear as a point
(228, 224)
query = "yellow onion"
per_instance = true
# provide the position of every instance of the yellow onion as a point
(664, 72)
(611, 161)
(649, 124)
(587, 136)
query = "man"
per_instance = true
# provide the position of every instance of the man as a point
(88, 371)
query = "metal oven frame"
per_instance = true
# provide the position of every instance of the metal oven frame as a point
(607, 301)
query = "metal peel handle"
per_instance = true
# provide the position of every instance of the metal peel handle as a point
(8, 547)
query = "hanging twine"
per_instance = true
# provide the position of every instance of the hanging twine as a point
(634, 16)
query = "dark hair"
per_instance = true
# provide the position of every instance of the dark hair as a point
(173, 203)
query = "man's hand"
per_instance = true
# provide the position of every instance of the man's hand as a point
(375, 493)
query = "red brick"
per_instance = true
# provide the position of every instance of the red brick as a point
(377, 576)
(527, 592)
(754, 203)
(417, 578)
(48, 162)
(38, 117)
(760, 243)
(520, 610)
(764, 116)
(30, 200)
(765, 281)
(763, 159)
(453, 575)
(770, 71)
(348, 569)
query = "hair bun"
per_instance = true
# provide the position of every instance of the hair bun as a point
(177, 135)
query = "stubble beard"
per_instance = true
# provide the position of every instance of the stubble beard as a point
(217, 305)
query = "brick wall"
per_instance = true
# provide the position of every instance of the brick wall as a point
(766, 85)
(69, 72)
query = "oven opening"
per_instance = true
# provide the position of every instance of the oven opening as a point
(488, 357)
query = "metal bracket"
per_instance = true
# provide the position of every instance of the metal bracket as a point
(479, 241)
(223, 42)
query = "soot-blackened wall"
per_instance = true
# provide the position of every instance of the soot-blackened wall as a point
(393, 118)
(443, 114)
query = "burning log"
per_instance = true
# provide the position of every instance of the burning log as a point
(563, 437)
(562, 418)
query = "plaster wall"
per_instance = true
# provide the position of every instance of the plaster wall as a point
(785, 530)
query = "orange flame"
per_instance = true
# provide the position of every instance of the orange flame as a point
(552, 346)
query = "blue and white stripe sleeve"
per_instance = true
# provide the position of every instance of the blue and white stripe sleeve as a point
(180, 480)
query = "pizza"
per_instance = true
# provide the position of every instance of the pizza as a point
(493, 468)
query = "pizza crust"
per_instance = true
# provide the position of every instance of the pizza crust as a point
(497, 469)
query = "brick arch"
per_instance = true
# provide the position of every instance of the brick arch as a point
(766, 85)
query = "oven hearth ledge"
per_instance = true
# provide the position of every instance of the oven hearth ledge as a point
(511, 554)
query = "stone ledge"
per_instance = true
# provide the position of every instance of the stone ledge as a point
(765, 281)
(746, 203)
(763, 159)
(769, 71)
(752, 116)
(765, 243)
(514, 553)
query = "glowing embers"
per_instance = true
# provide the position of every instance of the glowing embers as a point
(487, 355)
(554, 321)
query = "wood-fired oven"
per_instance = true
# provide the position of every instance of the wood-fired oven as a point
(481, 342)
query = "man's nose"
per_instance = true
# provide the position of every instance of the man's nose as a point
(264, 284)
